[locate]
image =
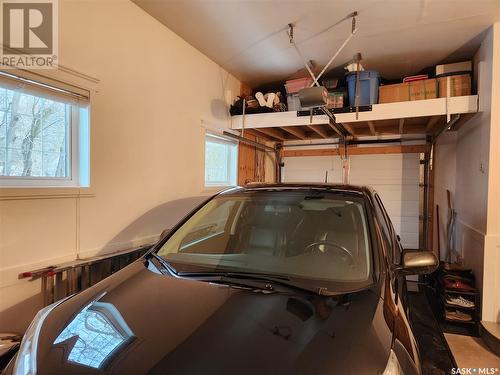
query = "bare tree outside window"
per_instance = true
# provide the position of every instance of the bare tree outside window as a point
(34, 136)
(220, 161)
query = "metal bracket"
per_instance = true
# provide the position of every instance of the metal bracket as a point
(447, 126)
(290, 32)
(306, 64)
(342, 132)
(249, 142)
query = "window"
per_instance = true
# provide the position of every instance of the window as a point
(221, 161)
(44, 135)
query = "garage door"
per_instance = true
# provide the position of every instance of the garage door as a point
(394, 176)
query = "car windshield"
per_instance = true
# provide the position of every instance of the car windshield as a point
(313, 235)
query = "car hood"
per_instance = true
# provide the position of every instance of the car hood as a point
(138, 321)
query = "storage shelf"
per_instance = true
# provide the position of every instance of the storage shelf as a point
(450, 306)
(460, 321)
(413, 117)
(458, 291)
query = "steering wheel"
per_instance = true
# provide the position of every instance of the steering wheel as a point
(333, 244)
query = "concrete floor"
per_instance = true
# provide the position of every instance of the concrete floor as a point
(472, 352)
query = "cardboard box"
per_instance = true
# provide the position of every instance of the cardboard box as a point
(399, 92)
(403, 92)
(460, 85)
(424, 89)
(447, 69)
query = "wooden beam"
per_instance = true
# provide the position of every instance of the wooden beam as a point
(371, 125)
(318, 129)
(295, 131)
(430, 124)
(334, 130)
(352, 150)
(311, 152)
(272, 133)
(401, 125)
(246, 161)
(260, 135)
(349, 128)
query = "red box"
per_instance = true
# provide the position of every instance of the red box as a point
(295, 85)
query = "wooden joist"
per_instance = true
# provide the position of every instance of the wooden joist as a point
(295, 131)
(318, 129)
(274, 133)
(255, 133)
(350, 129)
(353, 150)
(401, 125)
(334, 130)
(371, 125)
(430, 124)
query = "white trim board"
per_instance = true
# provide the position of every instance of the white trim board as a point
(386, 111)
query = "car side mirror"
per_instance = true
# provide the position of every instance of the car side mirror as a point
(164, 233)
(417, 262)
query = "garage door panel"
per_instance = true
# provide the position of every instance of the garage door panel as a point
(382, 177)
(400, 208)
(404, 224)
(397, 192)
(308, 176)
(382, 180)
(392, 169)
(395, 177)
(378, 178)
(400, 202)
(409, 240)
(312, 169)
(387, 161)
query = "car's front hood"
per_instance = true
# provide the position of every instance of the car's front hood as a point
(138, 321)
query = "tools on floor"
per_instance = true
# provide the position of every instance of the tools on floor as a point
(450, 232)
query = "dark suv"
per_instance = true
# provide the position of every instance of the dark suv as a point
(267, 279)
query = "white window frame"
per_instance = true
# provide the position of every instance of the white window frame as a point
(73, 178)
(232, 161)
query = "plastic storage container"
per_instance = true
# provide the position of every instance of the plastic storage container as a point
(295, 85)
(368, 87)
(330, 83)
(336, 99)
(293, 102)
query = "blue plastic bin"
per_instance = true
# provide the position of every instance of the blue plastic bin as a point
(368, 87)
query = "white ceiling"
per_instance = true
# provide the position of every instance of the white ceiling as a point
(395, 37)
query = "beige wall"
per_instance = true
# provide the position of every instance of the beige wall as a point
(146, 111)
(468, 164)
(445, 169)
(491, 293)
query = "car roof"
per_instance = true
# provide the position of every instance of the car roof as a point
(331, 188)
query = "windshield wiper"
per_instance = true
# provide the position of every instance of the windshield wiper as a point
(164, 263)
(248, 276)
(239, 278)
(236, 275)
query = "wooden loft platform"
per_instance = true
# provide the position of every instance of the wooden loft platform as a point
(414, 117)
